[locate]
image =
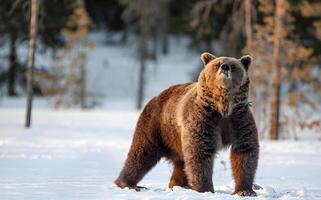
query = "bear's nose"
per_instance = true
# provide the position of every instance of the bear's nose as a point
(225, 67)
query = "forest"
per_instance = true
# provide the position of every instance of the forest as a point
(282, 36)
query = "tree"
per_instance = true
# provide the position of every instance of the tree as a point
(142, 16)
(31, 58)
(72, 66)
(248, 25)
(276, 77)
(164, 26)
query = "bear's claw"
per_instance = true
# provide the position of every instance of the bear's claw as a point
(257, 187)
(245, 193)
(138, 188)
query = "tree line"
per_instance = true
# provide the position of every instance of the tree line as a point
(283, 37)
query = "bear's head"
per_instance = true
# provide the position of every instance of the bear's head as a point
(226, 78)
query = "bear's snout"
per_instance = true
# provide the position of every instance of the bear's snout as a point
(225, 67)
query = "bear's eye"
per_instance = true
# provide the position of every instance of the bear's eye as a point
(232, 66)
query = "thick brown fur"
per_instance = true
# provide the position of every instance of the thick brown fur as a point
(189, 123)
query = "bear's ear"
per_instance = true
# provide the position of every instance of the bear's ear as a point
(246, 61)
(207, 57)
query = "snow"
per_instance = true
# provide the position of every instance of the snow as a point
(74, 154)
(113, 70)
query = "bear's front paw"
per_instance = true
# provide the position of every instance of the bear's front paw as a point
(246, 193)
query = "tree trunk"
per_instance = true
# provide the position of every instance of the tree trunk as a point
(164, 26)
(275, 111)
(248, 49)
(276, 78)
(83, 93)
(31, 58)
(141, 83)
(155, 46)
(165, 45)
(248, 25)
(124, 37)
(12, 74)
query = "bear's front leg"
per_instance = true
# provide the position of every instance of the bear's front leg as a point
(198, 150)
(244, 153)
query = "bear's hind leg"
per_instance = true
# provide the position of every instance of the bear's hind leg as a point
(142, 156)
(178, 177)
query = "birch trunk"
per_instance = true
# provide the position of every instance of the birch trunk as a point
(31, 58)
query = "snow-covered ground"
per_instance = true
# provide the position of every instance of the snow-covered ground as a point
(75, 154)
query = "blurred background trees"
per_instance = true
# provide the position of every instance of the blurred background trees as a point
(284, 37)
(14, 19)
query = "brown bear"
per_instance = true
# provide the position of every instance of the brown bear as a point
(189, 123)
